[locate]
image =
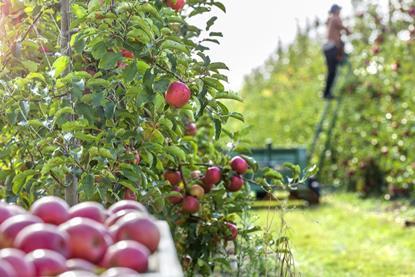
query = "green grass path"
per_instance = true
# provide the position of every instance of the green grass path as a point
(347, 236)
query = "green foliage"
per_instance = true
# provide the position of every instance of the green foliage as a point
(371, 145)
(81, 116)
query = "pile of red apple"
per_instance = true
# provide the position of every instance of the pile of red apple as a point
(53, 239)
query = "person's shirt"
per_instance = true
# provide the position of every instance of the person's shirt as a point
(334, 28)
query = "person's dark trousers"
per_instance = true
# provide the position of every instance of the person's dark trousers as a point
(332, 62)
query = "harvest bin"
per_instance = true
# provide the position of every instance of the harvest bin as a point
(164, 262)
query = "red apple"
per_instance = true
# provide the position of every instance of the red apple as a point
(137, 158)
(233, 231)
(191, 129)
(42, 236)
(120, 271)
(140, 228)
(86, 239)
(174, 177)
(77, 273)
(190, 205)
(127, 253)
(213, 176)
(127, 54)
(235, 184)
(51, 209)
(176, 5)
(79, 264)
(127, 205)
(5, 213)
(113, 218)
(177, 95)
(47, 262)
(129, 195)
(197, 191)
(239, 165)
(6, 269)
(177, 197)
(17, 260)
(11, 227)
(91, 210)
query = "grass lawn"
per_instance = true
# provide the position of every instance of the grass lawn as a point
(347, 236)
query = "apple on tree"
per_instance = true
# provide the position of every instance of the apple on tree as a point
(239, 165)
(233, 230)
(197, 191)
(127, 54)
(174, 177)
(190, 205)
(178, 94)
(191, 129)
(235, 184)
(175, 197)
(212, 177)
(176, 5)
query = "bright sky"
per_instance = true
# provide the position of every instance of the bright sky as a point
(252, 28)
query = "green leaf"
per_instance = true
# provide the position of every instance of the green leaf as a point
(109, 60)
(220, 6)
(51, 164)
(130, 72)
(87, 185)
(218, 128)
(65, 110)
(60, 65)
(177, 152)
(174, 45)
(29, 65)
(75, 125)
(22, 178)
(210, 22)
(217, 66)
(227, 95)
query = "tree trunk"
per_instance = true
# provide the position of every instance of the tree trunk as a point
(71, 191)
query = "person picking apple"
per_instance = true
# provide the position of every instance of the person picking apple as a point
(333, 48)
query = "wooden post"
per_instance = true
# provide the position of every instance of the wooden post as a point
(71, 191)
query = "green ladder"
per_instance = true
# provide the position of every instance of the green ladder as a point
(332, 124)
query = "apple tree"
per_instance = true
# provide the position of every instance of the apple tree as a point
(103, 100)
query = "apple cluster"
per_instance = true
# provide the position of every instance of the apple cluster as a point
(53, 239)
(189, 197)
